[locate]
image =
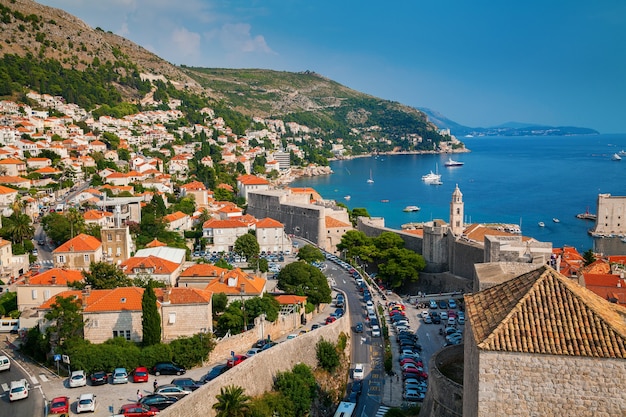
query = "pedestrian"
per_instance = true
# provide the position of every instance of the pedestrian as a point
(155, 385)
(397, 378)
(139, 395)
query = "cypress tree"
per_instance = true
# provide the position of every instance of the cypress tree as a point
(150, 321)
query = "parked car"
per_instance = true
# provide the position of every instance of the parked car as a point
(171, 390)
(253, 352)
(77, 379)
(375, 330)
(167, 368)
(330, 319)
(359, 372)
(427, 320)
(443, 305)
(216, 371)
(268, 345)
(424, 314)
(236, 360)
(59, 405)
(460, 320)
(187, 383)
(86, 402)
(120, 376)
(158, 401)
(451, 321)
(433, 304)
(412, 395)
(358, 328)
(99, 378)
(357, 386)
(444, 315)
(140, 374)
(18, 390)
(138, 410)
(451, 303)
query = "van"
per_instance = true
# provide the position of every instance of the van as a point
(5, 363)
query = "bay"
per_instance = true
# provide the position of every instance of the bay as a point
(518, 180)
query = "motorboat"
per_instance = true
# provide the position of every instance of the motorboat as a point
(452, 163)
(384, 201)
(347, 198)
(541, 224)
(622, 153)
(555, 220)
(616, 157)
(411, 208)
(370, 180)
(432, 177)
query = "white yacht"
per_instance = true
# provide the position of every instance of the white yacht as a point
(542, 224)
(452, 163)
(616, 157)
(370, 180)
(433, 177)
(411, 208)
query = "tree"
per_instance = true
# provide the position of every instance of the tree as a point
(400, 266)
(247, 246)
(231, 402)
(61, 228)
(299, 386)
(351, 241)
(301, 278)
(310, 253)
(388, 240)
(66, 314)
(327, 355)
(357, 212)
(18, 227)
(150, 319)
(220, 301)
(589, 257)
(102, 275)
(267, 305)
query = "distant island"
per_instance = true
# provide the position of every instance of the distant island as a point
(507, 129)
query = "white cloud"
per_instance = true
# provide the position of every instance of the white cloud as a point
(185, 43)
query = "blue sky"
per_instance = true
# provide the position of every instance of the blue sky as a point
(479, 63)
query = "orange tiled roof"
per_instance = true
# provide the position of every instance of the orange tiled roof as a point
(307, 190)
(252, 180)
(159, 265)
(226, 187)
(155, 243)
(174, 216)
(477, 232)
(268, 223)
(544, 312)
(96, 214)
(60, 276)
(185, 295)
(332, 222)
(7, 190)
(287, 299)
(81, 243)
(203, 270)
(223, 224)
(194, 185)
(252, 285)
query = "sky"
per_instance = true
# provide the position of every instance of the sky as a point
(479, 63)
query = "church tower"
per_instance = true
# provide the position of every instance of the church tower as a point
(456, 212)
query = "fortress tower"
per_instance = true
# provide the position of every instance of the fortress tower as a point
(456, 212)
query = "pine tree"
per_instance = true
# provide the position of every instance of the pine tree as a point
(150, 321)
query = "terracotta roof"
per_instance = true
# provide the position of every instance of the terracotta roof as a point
(117, 299)
(155, 243)
(225, 186)
(307, 190)
(268, 223)
(332, 222)
(7, 190)
(416, 232)
(194, 185)
(223, 224)
(175, 216)
(252, 285)
(81, 243)
(203, 270)
(477, 232)
(160, 265)
(56, 276)
(544, 312)
(185, 295)
(96, 214)
(252, 180)
(287, 299)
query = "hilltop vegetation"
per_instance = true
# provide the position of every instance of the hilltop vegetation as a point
(50, 51)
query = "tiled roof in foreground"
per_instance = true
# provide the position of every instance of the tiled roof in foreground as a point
(544, 312)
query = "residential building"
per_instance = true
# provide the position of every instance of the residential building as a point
(271, 236)
(37, 289)
(222, 234)
(152, 267)
(251, 183)
(237, 285)
(78, 253)
(178, 221)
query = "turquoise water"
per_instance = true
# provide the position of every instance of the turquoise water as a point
(521, 180)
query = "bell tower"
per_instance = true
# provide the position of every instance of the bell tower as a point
(456, 212)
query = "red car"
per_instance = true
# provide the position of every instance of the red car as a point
(138, 410)
(413, 361)
(236, 360)
(331, 319)
(140, 374)
(60, 405)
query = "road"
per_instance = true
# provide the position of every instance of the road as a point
(31, 406)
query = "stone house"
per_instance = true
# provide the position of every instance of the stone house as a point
(237, 285)
(118, 312)
(200, 275)
(271, 236)
(36, 290)
(199, 192)
(159, 269)
(222, 234)
(78, 253)
(13, 167)
(178, 221)
(251, 183)
(98, 217)
(540, 344)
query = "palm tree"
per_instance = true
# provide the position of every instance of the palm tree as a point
(20, 228)
(231, 402)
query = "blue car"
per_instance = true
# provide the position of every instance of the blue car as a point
(451, 303)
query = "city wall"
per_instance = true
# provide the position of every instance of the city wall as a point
(463, 256)
(444, 397)
(375, 226)
(256, 375)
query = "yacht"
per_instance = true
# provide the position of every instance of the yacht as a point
(432, 177)
(616, 157)
(542, 224)
(370, 179)
(411, 208)
(347, 198)
(555, 220)
(452, 163)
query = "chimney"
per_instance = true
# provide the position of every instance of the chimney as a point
(54, 280)
(85, 294)
(26, 279)
(166, 296)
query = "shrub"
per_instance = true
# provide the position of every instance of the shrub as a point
(327, 356)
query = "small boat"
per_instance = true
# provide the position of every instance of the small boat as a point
(384, 201)
(555, 220)
(542, 224)
(411, 208)
(622, 153)
(616, 157)
(347, 198)
(370, 179)
(452, 163)
(586, 216)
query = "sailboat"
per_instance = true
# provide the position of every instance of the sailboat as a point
(370, 180)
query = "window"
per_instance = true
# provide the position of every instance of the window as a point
(86, 258)
(122, 333)
(110, 237)
(172, 318)
(46, 295)
(118, 252)
(118, 237)
(34, 294)
(62, 259)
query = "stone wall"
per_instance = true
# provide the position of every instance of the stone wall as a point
(188, 320)
(471, 369)
(375, 226)
(256, 375)
(99, 326)
(515, 384)
(463, 256)
(444, 397)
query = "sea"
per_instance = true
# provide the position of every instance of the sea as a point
(513, 180)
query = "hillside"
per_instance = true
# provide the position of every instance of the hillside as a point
(102, 64)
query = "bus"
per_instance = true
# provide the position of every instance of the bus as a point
(345, 409)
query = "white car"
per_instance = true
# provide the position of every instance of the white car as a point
(253, 352)
(18, 390)
(86, 402)
(359, 372)
(120, 376)
(425, 314)
(78, 379)
(375, 331)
